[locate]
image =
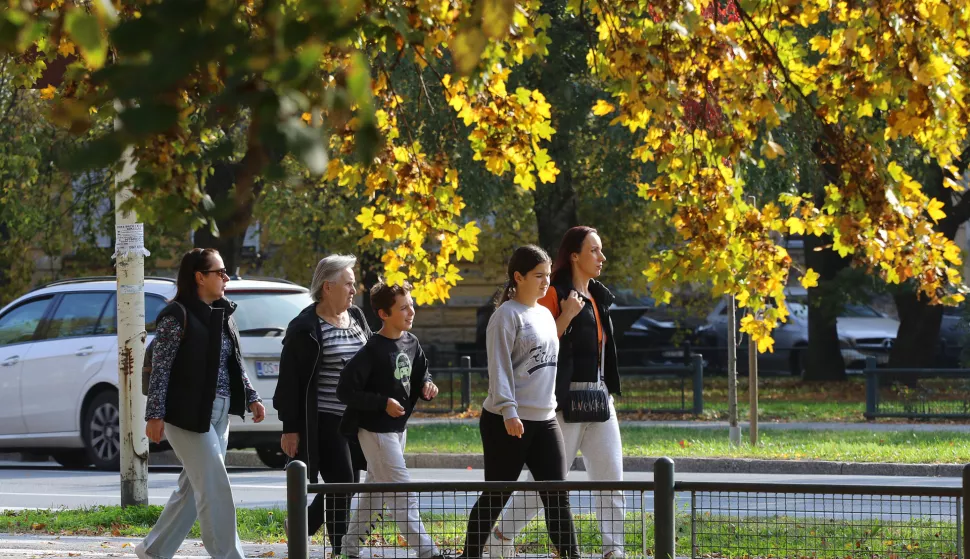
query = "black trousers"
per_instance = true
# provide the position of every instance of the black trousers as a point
(336, 465)
(541, 449)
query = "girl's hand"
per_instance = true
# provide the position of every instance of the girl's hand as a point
(514, 427)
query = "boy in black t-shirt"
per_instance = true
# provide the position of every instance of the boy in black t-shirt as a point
(380, 386)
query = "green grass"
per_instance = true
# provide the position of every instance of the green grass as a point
(716, 536)
(854, 446)
(779, 399)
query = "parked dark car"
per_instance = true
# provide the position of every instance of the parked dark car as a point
(649, 334)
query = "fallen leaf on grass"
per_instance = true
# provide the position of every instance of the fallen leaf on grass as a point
(38, 526)
(268, 554)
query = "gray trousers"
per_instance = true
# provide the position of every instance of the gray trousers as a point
(385, 463)
(203, 492)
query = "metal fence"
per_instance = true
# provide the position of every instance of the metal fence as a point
(661, 518)
(670, 388)
(917, 393)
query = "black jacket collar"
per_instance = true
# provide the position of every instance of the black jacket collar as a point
(306, 321)
(204, 312)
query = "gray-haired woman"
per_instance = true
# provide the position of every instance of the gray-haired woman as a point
(317, 345)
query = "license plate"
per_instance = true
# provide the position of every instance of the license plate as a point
(267, 369)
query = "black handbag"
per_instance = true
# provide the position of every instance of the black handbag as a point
(588, 402)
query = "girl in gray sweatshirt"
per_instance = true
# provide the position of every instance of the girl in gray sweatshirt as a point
(518, 423)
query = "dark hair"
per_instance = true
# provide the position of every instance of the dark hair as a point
(572, 242)
(382, 295)
(195, 260)
(524, 260)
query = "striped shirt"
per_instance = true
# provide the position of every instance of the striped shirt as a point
(338, 346)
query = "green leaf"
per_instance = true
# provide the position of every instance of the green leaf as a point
(358, 80)
(86, 32)
(97, 154)
(149, 119)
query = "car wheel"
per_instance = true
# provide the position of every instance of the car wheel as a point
(102, 431)
(273, 457)
(796, 362)
(74, 459)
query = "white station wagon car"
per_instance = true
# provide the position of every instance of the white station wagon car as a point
(59, 365)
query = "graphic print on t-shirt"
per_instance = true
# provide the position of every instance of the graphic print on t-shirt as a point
(402, 371)
(538, 355)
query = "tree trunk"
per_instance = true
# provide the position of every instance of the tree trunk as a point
(823, 359)
(918, 339)
(232, 218)
(919, 332)
(555, 208)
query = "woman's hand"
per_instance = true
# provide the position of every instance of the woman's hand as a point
(259, 411)
(155, 430)
(290, 444)
(572, 305)
(514, 427)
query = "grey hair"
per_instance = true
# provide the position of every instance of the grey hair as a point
(327, 270)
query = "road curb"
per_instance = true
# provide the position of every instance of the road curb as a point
(248, 459)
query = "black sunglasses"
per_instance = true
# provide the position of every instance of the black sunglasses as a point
(220, 271)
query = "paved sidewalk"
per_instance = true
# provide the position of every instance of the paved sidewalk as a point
(14, 546)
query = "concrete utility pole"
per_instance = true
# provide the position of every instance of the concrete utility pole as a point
(734, 432)
(130, 256)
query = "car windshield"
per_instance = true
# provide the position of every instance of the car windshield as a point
(267, 313)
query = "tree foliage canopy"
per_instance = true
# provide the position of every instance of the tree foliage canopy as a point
(699, 85)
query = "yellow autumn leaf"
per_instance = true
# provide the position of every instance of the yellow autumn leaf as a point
(935, 209)
(795, 226)
(48, 93)
(602, 108)
(810, 279)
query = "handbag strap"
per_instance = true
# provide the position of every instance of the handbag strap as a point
(601, 372)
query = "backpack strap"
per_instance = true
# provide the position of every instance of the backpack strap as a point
(185, 318)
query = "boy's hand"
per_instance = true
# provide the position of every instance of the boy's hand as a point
(430, 390)
(394, 408)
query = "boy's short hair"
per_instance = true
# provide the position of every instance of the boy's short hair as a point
(382, 295)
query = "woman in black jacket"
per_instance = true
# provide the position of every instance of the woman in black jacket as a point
(198, 379)
(318, 343)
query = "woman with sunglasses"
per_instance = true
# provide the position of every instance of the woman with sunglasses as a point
(198, 379)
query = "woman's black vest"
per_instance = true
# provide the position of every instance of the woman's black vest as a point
(192, 384)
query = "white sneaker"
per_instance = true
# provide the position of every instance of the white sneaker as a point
(499, 546)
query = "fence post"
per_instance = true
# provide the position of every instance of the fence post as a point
(966, 512)
(664, 508)
(872, 387)
(466, 382)
(296, 513)
(697, 364)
